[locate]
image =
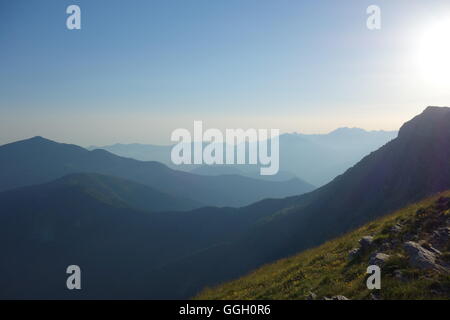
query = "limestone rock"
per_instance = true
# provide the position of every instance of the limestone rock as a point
(440, 237)
(379, 259)
(420, 257)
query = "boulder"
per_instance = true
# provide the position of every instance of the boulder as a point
(419, 257)
(379, 259)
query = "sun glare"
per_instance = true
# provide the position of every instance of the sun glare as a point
(433, 56)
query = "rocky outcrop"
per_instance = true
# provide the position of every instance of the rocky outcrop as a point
(440, 237)
(379, 259)
(421, 258)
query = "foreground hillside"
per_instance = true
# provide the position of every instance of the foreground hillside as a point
(412, 247)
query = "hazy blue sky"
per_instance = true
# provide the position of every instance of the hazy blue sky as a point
(139, 69)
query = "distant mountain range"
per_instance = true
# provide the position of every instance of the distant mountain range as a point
(39, 160)
(127, 252)
(316, 158)
(319, 158)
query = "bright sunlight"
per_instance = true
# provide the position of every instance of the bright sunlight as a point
(433, 56)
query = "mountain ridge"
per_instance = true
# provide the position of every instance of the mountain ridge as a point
(38, 160)
(121, 192)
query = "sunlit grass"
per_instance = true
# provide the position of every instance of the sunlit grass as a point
(327, 271)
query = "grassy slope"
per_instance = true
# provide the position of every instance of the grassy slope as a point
(327, 271)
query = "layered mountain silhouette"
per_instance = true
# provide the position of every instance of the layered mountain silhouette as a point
(39, 160)
(316, 158)
(126, 252)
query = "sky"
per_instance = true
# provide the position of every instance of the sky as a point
(139, 69)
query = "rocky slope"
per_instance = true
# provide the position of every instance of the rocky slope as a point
(411, 247)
